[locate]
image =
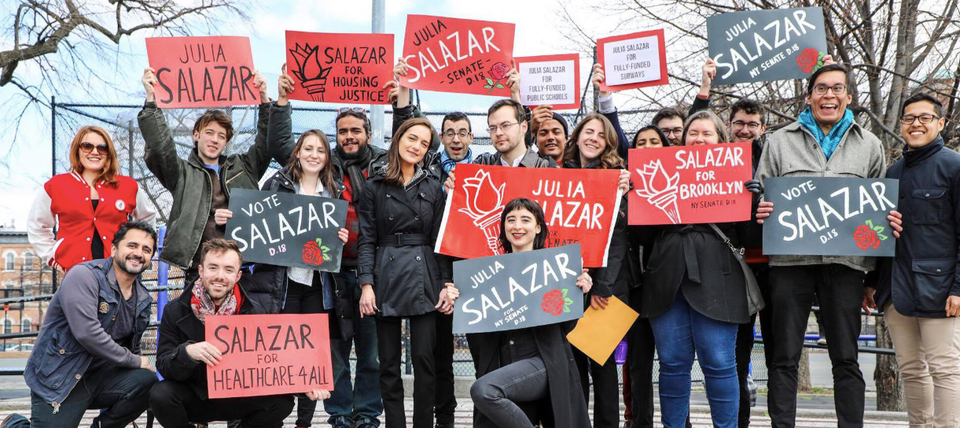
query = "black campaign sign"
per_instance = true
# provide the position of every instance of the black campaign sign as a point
(286, 229)
(518, 290)
(830, 216)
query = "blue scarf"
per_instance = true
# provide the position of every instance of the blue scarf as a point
(828, 143)
(447, 164)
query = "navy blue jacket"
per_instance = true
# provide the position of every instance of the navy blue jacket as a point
(924, 271)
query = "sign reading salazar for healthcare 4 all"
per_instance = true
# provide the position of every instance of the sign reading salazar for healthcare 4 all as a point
(765, 45)
(269, 354)
(340, 68)
(690, 184)
(215, 71)
(287, 229)
(579, 205)
(830, 216)
(457, 55)
(519, 290)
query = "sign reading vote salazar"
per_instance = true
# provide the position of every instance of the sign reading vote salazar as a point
(518, 290)
(830, 216)
(286, 229)
(766, 45)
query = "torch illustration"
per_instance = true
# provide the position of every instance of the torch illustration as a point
(484, 206)
(664, 194)
(312, 75)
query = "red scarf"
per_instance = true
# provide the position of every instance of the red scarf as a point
(202, 305)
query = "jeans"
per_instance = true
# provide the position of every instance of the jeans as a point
(176, 405)
(305, 299)
(679, 332)
(496, 394)
(358, 401)
(123, 393)
(423, 340)
(745, 344)
(840, 291)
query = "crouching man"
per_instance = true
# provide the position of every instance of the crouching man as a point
(182, 354)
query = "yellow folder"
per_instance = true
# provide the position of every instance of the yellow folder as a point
(600, 331)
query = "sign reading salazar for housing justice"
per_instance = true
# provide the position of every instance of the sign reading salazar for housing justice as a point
(457, 55)
(518, 290)
(690, 184)
(215, 71)
(579, 205)
(633, 60)
(340, 68)
(830, 216)
(765, 45)
(269, 354)
(286, 229)
(550, 80)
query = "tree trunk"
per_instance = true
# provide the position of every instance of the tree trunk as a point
(887, 375)
(803, 372)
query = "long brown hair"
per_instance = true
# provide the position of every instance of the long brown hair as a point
(109, 172)
(609, 159)
(326, 173)
(394, 174)
(722, 136)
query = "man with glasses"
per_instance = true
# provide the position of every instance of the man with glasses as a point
(508, 130)
(824, 142)
(918, 291)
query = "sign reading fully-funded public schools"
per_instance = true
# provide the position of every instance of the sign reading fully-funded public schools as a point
(830, 216)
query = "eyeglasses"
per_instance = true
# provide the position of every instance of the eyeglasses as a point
(837, 89)
(504, 126)
(88, 147)
(674, 131)
(462, 134)
(343, 110)
(739, 124)
(924, 119)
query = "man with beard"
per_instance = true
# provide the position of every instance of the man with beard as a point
(183, 354)
(88, 351)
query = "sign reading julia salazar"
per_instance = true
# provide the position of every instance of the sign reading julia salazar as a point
(763, 45)
(830, 216)
(457, 55)
(690, 184)
(269, 354)
(550, 80)
(286, 229)
(214, 71)
(340, 68)
(518, 290)
(632, 61)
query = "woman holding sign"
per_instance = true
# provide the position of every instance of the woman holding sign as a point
(694, 294)
(520, 370)
(400, 212)
(87, 204)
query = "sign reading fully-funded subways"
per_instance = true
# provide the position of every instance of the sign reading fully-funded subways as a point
(287, 229)
(269, 354)
(518, 290)
(763, 45)
(830, 216)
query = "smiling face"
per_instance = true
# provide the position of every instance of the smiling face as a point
(211, 140)
(414, 144)
(745, 127)
(828, 107)
(591, 141)
(672, 127)
(351, 134)
(456, 139)
(312, 155)
(93, 152)
(702, 131)
(132, 255)
(917, 135)
(648, 139)
(219, 273)
(521, 228)
(551, 139)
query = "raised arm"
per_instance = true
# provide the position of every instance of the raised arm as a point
(609, 110)
(257, 157)
(702, 101)
(403, 110)
(160, 151)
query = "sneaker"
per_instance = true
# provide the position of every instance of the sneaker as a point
(15, 420)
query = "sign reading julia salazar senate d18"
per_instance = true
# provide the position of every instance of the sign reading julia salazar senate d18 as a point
(518, 290)
(286, 229)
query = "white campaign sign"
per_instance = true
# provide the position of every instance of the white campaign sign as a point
(632, 61)
(551, 82)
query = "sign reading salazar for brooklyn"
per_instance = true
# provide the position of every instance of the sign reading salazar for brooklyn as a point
(286, 229)
(766, 45)
(830, 216)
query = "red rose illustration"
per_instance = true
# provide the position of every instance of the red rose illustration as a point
(808, 59)
(499, 71)
(553, 302)
(866, 238)
(312, 254)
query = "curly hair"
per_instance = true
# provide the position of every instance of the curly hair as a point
(609, 159)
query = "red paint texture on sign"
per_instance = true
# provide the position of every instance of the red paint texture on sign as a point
(339, 68)
(215, 71)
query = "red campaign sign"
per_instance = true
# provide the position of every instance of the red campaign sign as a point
(579, 205)
(339, 68)
(690, 184)
(214, 71)
(269, 354)
(457, 55)
(633, 61)
(552, 80)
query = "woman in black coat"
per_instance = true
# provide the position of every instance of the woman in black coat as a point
(540, 356)
(400, 213)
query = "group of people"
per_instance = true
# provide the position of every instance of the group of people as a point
(684, 280)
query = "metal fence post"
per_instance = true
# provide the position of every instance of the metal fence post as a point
(53, 163)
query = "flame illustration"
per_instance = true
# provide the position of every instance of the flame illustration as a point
(312, 74)
(660, 189)
(484, 206)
